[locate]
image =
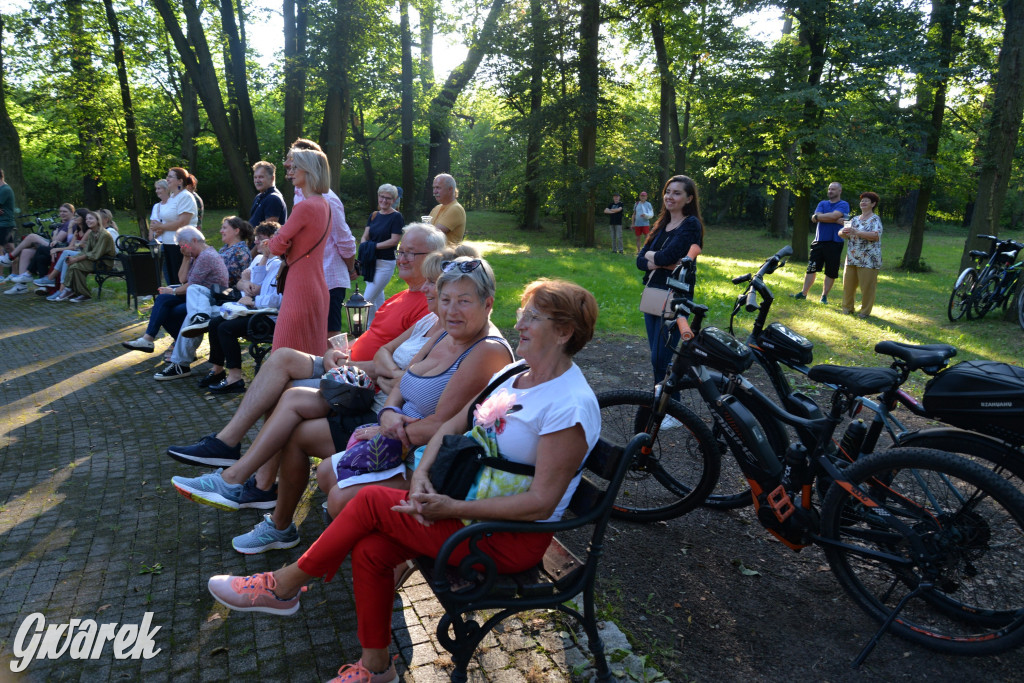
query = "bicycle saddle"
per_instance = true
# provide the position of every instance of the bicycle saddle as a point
(929, 357)
(857, 381)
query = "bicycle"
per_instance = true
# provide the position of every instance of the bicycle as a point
(775, 347)
(946, 530)
(977, 291)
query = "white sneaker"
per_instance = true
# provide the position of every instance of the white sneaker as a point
(669, 422)
(23, 279)
(5, 259)
(17, 289)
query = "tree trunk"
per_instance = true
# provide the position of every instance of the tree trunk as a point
(199, 65)
(942, 19)
(336, 111)
(239, 82)
(409, 206)
(428, 14)
(667, 104)
(131, 140)
(10, 143)
(439, 159)
(84, 73)
(1002, 131)
(370, 177)
(590, 26)
(813, 27)
(780, 212)
(801, 223)
(534, 134)
(295, 34)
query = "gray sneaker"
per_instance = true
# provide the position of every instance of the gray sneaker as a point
(210, 489)
(265, 536)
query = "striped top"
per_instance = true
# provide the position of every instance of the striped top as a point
(421, 394)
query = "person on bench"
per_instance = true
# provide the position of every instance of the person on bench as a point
(451, 369)
(550, 419)
(258, 285)
(98, 248)
(285, 366)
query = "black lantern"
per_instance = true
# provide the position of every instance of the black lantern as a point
(357, 309)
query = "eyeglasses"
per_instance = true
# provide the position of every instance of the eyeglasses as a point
(410, 254)
(525, 315)
(386, 196)
(463, 266)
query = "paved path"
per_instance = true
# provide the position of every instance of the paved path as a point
(90, 527)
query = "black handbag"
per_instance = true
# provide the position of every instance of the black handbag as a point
(460, 457)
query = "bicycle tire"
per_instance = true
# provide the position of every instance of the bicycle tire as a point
(1020, 305)
(984, 299)
(992, 454)
(960, 297)
(968, 525)
(680, 471)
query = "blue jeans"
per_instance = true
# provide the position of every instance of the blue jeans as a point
(168, 312)
(661, 340)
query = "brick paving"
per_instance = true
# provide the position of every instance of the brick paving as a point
(90, 527)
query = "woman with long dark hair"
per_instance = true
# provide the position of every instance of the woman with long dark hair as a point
(678, 233)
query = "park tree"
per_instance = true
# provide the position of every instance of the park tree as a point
(131, 138)
(194, 52)
(10, 143)
(1001, 132)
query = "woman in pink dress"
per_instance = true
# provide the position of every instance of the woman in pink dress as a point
(302, 321)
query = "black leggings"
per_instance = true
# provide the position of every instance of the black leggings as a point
(224, 335)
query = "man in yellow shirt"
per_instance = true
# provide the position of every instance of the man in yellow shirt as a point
(448, 216)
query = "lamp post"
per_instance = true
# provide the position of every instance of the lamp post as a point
(356, 310)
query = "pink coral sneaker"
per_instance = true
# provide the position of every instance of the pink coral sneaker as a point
(252, 594)
(357, 673)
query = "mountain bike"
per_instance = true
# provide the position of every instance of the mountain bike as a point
(926, 542)
(980, 288)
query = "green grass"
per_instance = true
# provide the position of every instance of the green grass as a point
(910, 307)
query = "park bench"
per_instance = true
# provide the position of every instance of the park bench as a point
(474, 585)
(136, 264)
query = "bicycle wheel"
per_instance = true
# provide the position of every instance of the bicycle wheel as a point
(985, 295)
(966, 539)
(960, 298)
(681, 469)
(1020, 305)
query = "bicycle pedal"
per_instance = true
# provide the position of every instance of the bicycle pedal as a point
(780, 503)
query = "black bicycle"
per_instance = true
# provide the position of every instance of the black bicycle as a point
(926, 542)
(980, 288)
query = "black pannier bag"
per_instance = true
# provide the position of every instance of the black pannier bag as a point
(722, 351)
(983, 396)
(780, 342)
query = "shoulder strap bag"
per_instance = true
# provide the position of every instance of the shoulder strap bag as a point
(460, 457)
(282, 273)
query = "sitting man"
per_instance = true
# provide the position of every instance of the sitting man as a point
(284, 366)
(204, 267)
(448, 216)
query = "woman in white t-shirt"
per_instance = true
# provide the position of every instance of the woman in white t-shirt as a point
(178, 212)
(546, 416)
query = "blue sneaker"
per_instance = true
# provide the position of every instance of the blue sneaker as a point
(255, 497)
(824, 299)
(265, 536)
(210, 489)
(209, 452)
(799, 295)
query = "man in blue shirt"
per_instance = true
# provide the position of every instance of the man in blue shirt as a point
(827, 247)
(269, 202)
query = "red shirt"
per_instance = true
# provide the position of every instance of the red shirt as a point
(398, 314)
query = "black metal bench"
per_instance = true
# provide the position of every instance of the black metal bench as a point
(463, 590)
(131, 251)
(260, 335)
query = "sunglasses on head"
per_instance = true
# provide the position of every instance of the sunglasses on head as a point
(463, 266)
